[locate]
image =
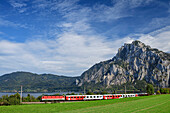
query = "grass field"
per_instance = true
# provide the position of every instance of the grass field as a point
(152, 104)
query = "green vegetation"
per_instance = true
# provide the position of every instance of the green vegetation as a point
(10, 100)
(150, 89)
(154, 104)
(165, 90)
(53, 83)
(37, 83)
(136, 87)
(15, 99)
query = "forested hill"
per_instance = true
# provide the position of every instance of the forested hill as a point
(36, 82)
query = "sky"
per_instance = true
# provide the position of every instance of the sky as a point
(67, 37)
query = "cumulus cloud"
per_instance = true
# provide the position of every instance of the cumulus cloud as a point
(70, 54)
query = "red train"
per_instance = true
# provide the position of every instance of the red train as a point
(90, 97)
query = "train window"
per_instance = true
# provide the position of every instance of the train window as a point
(97, 96)
(87, 96)
(94, 96)
(90, 96)
(77, 97)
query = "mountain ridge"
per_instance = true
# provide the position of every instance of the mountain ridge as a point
(135, 61)
(33, 82)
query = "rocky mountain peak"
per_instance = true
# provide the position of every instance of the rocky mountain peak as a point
(135, 61)
(138, 43)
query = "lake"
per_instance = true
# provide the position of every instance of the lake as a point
(35, 94)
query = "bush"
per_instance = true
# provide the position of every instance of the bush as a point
(14, 101)
(11, 100)
(158, 92)
(166, 91)
(162, 91)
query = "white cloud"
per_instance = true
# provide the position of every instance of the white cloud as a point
(119, 9)
(7, 23)
(70, 54)
(20, 5)
(16, 5)
(160, 41)
(164, 29)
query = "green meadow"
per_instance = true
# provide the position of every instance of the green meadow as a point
(151, 104)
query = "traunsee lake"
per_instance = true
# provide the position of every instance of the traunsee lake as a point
(35, 94)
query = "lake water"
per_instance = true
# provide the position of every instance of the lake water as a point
(35, 94)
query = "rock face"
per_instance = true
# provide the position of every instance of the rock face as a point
(134, 61)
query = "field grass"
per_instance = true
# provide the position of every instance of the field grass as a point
(152, 104)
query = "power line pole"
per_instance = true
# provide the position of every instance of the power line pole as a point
(125, 89)
(21, 95)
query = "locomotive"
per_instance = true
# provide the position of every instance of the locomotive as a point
(89, 97)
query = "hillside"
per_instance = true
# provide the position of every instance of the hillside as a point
(133, 63)
(36, 83)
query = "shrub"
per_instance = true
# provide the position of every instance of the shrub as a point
(162, 91)
(166, 91)
(158, 92)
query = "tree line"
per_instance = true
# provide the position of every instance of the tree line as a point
(150, 90)
(16, 99)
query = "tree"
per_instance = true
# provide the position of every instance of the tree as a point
(39, 98)
(166, 91)
(150, 89)
(90, 93)
(162, 91)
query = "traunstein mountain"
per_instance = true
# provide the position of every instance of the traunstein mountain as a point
(135, 61)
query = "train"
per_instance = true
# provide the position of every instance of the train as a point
(89, 97)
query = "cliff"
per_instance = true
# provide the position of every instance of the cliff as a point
(135, 61)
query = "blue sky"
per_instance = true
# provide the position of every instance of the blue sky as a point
(66, 37)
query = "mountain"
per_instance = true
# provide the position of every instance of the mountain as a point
(36, 82)
(134, 65)
(133, 62)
